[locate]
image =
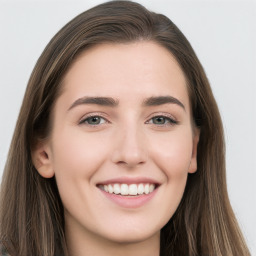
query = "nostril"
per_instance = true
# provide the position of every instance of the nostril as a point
(129, 155)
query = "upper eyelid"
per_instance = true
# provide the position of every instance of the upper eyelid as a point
(167, 115)
(171, 121)
(93, 114)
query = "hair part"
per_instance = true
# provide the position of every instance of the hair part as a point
(31, 213)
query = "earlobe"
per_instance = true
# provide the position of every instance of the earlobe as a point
(193, 162)
(42, 161)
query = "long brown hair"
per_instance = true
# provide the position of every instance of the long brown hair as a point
(31, 213)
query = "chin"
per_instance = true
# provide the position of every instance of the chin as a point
(132, 235)
(131, 238)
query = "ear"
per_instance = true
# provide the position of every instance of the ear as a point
(41, 158)
(193, 162)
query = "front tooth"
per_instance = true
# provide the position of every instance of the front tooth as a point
(117, 189)
(124, 189)
(151, 188)
(106, 188)
(110, 189)
(140, 190)
(146, 189)
(133, 189)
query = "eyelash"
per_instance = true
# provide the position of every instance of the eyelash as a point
(171, 121)
(83, 121)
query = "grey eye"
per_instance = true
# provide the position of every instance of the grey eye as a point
(162, 120)
(159, 120)
(93, 120)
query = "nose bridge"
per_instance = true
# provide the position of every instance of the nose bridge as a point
(130, 145)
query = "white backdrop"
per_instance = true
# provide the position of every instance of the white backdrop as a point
(221, 32)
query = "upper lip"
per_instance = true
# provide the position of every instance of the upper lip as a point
(129, 180)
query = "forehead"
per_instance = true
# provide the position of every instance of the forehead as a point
(126, 71)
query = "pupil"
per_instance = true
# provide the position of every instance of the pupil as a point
(159, 120)
(95, 120)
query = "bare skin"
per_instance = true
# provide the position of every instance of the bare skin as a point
(128, 141)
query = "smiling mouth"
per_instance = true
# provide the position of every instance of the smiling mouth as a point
(128, 189)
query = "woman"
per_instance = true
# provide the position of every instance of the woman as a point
(119, 146)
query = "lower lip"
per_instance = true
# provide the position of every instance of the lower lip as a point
(130, 201)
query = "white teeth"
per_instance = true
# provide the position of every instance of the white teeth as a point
(125, 189)
(151, 188)
(146, 189)
(133, 190)
(117, 189)
(110, 189)
(140, 189)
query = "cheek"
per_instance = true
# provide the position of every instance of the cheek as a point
(173, 154)
(76, 158)
(76, 153)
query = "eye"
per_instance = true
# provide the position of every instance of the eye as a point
(93, 120)
(162, 121)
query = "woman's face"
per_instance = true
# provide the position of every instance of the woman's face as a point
(122, 125)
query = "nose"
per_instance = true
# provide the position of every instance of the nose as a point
(130, 148)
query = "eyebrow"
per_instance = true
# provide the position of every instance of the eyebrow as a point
(111, 102)
(102, 101)
(160, 100)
